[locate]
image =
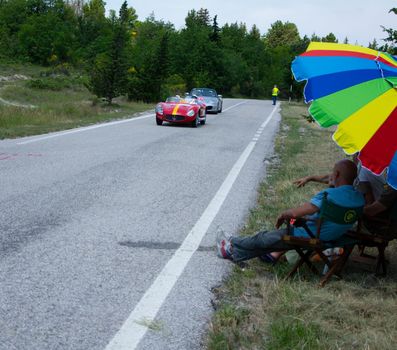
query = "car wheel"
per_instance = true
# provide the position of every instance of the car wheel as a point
(196, 122)
(220, 109)
(159, 121)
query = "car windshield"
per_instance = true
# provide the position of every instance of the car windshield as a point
(204, 92)
(177, 99)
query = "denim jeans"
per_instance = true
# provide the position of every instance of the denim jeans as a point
(274, 98)
(244, 248)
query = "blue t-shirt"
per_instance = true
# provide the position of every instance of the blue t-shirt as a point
(345, 196)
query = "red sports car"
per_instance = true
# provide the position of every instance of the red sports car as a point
(175, 109)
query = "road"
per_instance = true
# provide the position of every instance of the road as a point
(108, 233)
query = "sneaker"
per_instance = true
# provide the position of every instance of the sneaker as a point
(224, 245)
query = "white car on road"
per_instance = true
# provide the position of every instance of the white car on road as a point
(212, 100)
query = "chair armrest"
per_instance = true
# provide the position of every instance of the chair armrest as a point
(368, 237)
(302, 241)
(300, 222)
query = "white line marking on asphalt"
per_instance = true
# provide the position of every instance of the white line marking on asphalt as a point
(237, 104)
(132, 331)
(74, 131)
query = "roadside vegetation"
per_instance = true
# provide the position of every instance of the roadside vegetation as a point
(74, 50)
(148, 59)
(36, 100)
(257, 309)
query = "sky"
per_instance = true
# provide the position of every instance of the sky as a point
(358, 20)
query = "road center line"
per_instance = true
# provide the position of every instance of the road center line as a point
(134, 329)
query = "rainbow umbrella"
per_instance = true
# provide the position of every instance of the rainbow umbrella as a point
(355, 88)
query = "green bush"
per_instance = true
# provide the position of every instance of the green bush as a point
(174, 85)
(48, 84)
(57, 83)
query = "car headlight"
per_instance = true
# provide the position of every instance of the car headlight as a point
(159, 109)
(191, 113)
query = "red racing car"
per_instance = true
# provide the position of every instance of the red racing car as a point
(187, 110)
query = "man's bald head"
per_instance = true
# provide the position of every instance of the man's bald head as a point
(344, 173)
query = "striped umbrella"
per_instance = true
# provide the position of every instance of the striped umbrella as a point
(355, 88)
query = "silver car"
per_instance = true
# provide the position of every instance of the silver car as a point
(212, 100)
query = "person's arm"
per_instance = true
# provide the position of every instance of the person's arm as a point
(366, 189)
(303, 210)
(387, 199)
(324, 179)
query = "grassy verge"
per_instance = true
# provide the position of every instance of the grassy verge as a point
(257, 309)
(55, 101)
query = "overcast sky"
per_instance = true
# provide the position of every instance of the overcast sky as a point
(358, 20)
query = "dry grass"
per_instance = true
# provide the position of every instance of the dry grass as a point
(257, 309)
(63, 103)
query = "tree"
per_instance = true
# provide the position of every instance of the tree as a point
(93, 27)
(282, 34)
(315, 38)
(48, 33)
(108, 76)
(391, 39)
(214, 36)
(330, 38)
(128, 16)
(373, 45)
(203, 17)
(151, 60)
(236, 69)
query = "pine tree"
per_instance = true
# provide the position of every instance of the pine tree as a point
(203, 16)
(108, 77)
(214, 36)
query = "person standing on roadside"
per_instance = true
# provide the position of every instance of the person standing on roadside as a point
(275, 92)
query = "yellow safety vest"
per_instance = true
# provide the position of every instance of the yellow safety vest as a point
(275, 91)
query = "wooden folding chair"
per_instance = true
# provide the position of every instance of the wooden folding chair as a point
(306, 247)
(379, 237)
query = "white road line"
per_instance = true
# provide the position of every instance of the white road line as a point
(74, 131)
(133, 330)
(237, 104)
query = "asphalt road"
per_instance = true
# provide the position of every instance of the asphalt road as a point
(102, 229)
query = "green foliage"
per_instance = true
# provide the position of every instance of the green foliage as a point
(151, 60)
(330, 38)
(139, 58)
(294, 335)
(108, 75)
(391, 39)
(282, 34)
(56, 83)
(173, 85)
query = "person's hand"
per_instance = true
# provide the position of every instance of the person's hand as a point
(302, 181)
(284, 217)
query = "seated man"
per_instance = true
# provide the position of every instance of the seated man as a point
(380, 211)
(243, 248)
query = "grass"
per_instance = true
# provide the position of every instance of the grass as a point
(257, 309)
(59, 102)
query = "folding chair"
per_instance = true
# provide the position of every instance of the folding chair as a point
(379, 237)
(306, 247)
